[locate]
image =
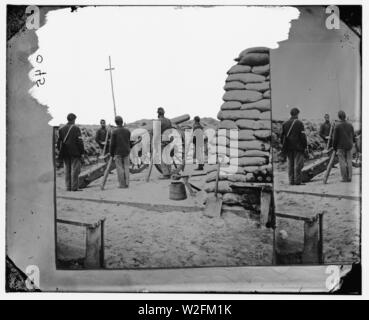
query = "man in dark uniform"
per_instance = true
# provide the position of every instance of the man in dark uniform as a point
(198, 143)
(293, 133)
(70, 144)
(343, 141)
(165, 125)
(325, 128)
(101, 138)
(120, 147)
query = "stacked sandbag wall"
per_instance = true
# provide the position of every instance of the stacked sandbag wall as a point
(247, 109)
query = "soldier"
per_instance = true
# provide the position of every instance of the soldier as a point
(71, 149)
(101, 138)
(198, 142)
(295, 143)
(325, 128)
(165, 125)
(120, 147)
(343, 141)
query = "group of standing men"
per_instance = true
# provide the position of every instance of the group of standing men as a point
(340, 136)
(116, 142)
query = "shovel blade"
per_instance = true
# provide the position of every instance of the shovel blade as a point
(213, 207)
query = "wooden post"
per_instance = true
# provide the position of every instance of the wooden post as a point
(94, 252)
(265, 203)
(102, 248)
(321, 252)
(106, 173)
(329, 167)
(310, 254)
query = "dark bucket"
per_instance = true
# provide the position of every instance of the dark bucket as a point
(177, 191)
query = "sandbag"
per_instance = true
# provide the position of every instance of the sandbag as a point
(238, 114)
(239, 69)
(227, 124)
(252, 161)
(261, 105)
(223, 187)
(228, 151)
(253, 145)
(258, 86)
(246, 135)
(245, 78)
(252, 50)
(262, 134)
(263, 70)
(250, 177)
(241, 135)
(231, 105)
(256, 153)
(242, 96)
(254, 59)
(253, 124)
(250, 169)
(268, 168)
(232, 198)
(267, 94)
(223, 168)
(234, 85)
(219, 141)
(237, 178)
(265, 115)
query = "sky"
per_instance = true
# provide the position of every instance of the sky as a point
(317, 70)
(175, 58)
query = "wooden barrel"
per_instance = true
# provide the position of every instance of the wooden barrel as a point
(177, 191)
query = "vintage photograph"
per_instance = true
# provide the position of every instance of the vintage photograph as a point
(190, 136)
(316, 133)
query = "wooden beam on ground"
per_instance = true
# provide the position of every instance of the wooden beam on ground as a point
(144, 206)
(92, 174)
(314, 168)
(324, 195)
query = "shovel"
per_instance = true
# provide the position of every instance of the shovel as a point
(214, 202)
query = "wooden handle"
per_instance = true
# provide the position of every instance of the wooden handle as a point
(106, 173)
(329, 167)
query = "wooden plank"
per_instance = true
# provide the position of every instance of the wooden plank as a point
(93, 247)
(310, 253)
(145, 206)
(250, 185)
(92, 174)
(314, 168)
(329, 168)
(265, 202)
(188, 186)
(75, 223)
(324, 195)
(321, 239)
(293, 216)
(193, 174)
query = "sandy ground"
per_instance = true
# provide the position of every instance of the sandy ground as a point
(140, 237)
(341, 222)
